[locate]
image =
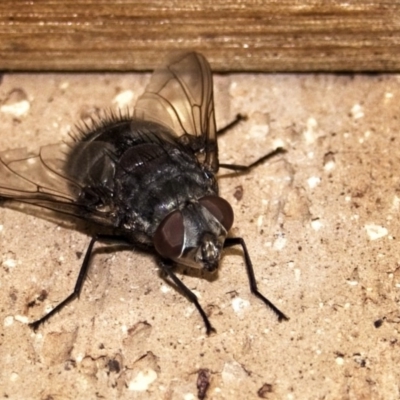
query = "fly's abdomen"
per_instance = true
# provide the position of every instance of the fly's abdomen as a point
(113, 144)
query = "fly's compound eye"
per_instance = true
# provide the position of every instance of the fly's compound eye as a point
(220, 209)
(168, 239)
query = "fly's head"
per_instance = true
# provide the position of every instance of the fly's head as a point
(195, 235)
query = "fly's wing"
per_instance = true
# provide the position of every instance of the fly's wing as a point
(40, 179)
(180, 96)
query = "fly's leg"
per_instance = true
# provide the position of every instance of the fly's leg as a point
(226, 128)
(81, 277)
(229, 242)
(239, 241)
(188, 293)
(246, 168)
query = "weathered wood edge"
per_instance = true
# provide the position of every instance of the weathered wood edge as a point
(88, 35)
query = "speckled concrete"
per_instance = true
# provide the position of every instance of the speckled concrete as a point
(320, 222)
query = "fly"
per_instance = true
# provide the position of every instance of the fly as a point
(149, 176)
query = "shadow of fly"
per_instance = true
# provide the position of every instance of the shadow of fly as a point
(148, 175)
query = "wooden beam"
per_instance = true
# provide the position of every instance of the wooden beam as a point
(242, 35)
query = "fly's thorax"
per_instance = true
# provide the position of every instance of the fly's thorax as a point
(194, 235)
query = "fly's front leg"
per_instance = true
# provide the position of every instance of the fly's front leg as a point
(188, 293)
(81, 277)
(229, 242)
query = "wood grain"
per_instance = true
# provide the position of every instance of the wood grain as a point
(125, 35)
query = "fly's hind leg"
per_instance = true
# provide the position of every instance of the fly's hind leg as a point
(246, 168)
(228, 127)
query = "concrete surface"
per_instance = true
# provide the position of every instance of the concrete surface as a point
(320, 222)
